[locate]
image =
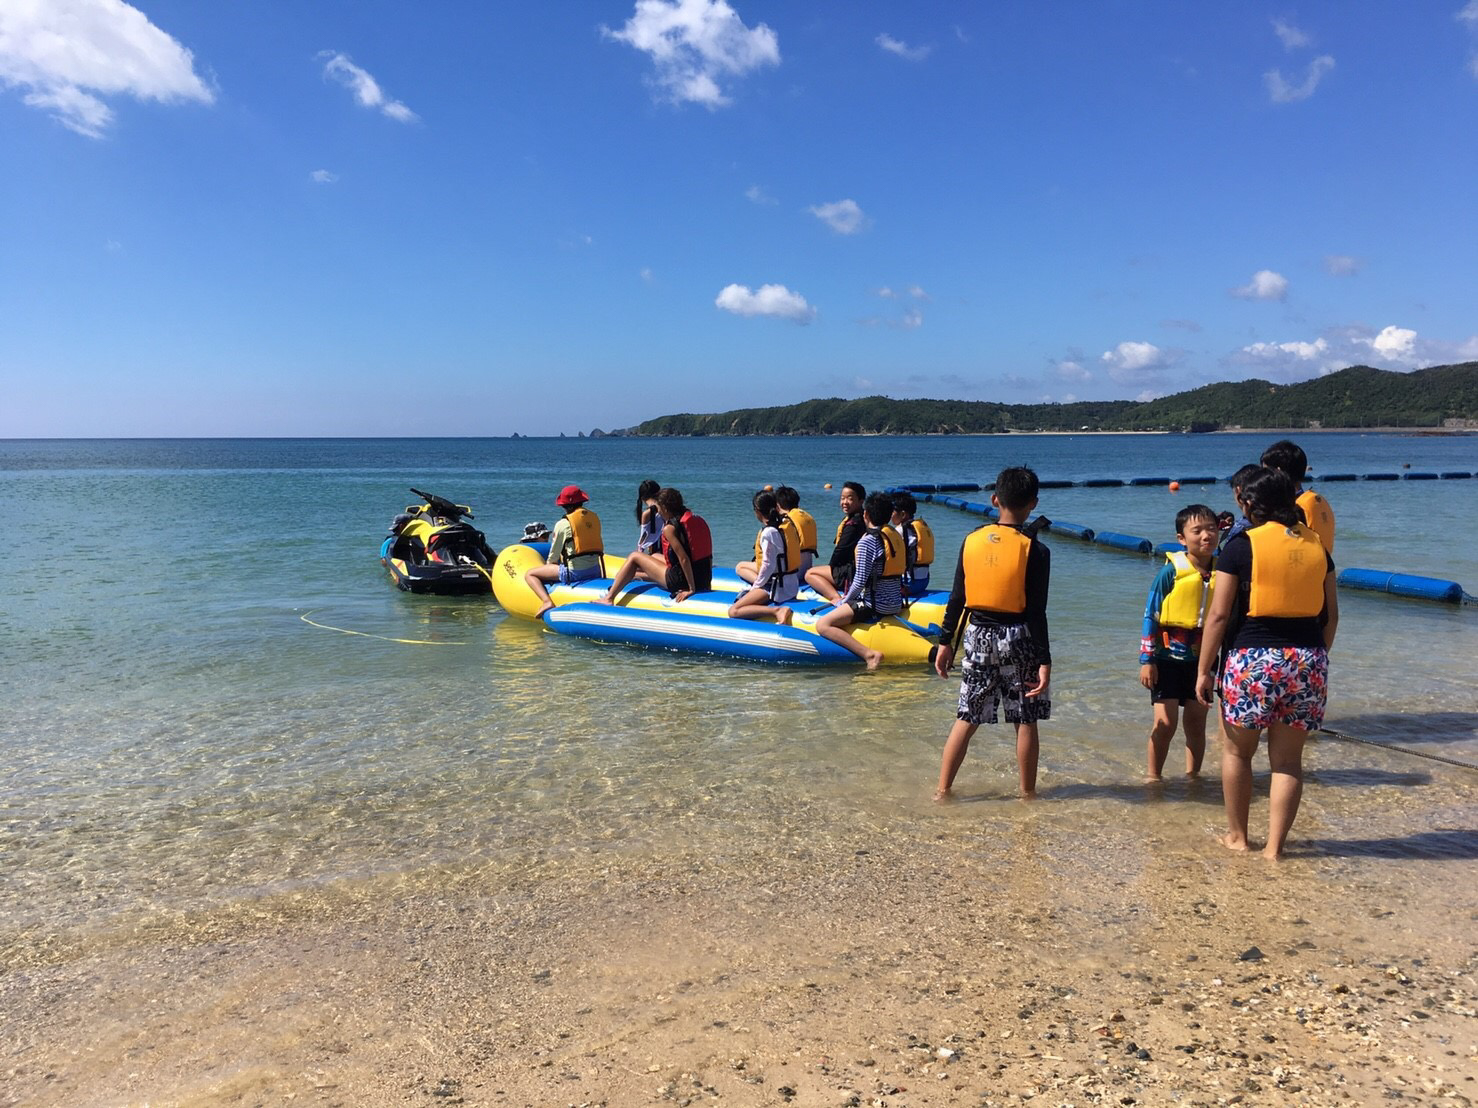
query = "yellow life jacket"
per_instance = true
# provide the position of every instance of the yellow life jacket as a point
(1189, 599)
(924, 550)
(1288, 570)
(790, 560)
(1319, 515)
(806, 524)
(895, 551)
(995, 568)
(584, 532)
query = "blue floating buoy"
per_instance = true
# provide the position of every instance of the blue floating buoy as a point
(1147, 481)
(1338, 477)
(1076, 530)
(1168, 547)
(1421, 476)
(1402, 584)
(1054, 484)
(965, 487)
(1124, 542)
(1381, 477)
(1200, 480)
(1103, 483)
(976, 507)
(1456, 475)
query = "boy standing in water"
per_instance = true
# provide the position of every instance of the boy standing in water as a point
(1170, 642)
(1001, 580)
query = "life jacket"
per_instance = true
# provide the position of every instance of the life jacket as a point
(849, 530)
(700, 539)
(995, 559)
(790, 560)
(584, 532)
(1189, 599)
(924, 543)
(895, 552)
(1319, 516)
(1289, 565)
(806, 523)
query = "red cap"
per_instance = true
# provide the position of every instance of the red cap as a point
(570, 496)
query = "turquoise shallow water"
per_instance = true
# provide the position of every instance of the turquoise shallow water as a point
(178, 734)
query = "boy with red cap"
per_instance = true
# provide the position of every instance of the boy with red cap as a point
(574, 549)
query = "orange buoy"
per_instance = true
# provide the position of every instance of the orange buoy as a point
(827, 485)
(1174, 486)
(769, 488)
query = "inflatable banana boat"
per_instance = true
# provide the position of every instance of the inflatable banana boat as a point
(645, 615)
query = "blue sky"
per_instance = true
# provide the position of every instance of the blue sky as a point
(378, 218)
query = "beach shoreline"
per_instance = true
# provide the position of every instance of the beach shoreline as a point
(912, 969)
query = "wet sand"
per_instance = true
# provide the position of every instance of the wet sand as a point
(962, 960)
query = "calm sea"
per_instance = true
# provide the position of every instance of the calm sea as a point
(189, 721)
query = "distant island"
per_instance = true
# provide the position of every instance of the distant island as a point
(1442, 397)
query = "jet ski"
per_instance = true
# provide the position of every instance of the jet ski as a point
(431, 549)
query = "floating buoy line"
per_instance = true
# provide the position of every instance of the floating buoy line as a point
(1406, 585)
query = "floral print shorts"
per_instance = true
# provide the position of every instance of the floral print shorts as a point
(1264, 685)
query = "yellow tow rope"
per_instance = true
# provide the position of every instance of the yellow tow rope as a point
(368, 635)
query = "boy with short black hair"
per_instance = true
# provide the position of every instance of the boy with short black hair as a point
(1288, 457)
(876, 588)
(829, 580)
(1170, 642)
(1001, 580)
(790, 504)
(920, 540)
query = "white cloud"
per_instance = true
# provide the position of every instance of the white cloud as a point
(324, 176)
(917, 292)
(1394, 343)
(1265, 285)
(756, 195)
(1469, 15)
(911, 320)
(1392, 347)
(365, 88)
(1343, 265)
(887, 294)
(646, 274)
(692, 43)
(770, 300)
(1071, 370)
(1289, 35)
(842, 216)
(68, 54)
(902, 49)
(1137, 362)
(1281, 92)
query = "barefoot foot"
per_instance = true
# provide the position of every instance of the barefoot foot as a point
(783, 616)
(943, 796)
(546, 608)
(1233, 842)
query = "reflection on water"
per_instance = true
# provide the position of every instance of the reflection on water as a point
(184, 738)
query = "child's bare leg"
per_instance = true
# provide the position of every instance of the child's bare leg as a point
(1285, 754)
(623, 577)
(955, 748)
(819, 578)
(1238, 745)
(1193, 726)
(829, 628)
(747, 571)
(535, 579)
(1027, 747)
(1167, 713)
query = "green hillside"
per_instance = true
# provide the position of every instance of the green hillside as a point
(1356, 397)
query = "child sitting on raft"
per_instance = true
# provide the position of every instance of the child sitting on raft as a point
(876, 588)
(805, 524)
(829, 580)
(575, 552)
(776, 556)
(686, 564)
(920, 540)
(649, 519)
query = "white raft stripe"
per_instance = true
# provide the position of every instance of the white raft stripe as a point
(626, 618)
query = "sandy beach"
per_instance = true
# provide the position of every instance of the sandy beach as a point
(901, 965)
